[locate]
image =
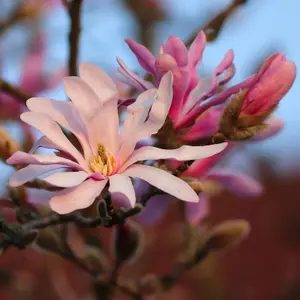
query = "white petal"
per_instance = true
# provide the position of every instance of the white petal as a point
(99, 81)
(138, 111)
(164, 181)
(66, 179)
(183, 153)
(65, 114)
(31, 172)
(104, 126)
(83, 97)
(43, 142)
(160, 108)
(138, 81)
(136, 115)
(122, 184)
(79, 197)
(52, 131)
(21, 157)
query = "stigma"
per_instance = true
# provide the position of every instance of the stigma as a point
(103, 162)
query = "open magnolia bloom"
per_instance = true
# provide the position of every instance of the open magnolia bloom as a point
(107, 155)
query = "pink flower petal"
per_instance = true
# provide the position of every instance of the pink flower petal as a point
(160, 108)
(176, 48)
(104, 126)
(137, 112)
(181, 84)
(197, 48)
(155, 209)
(270, 88)
(206, 126)
(43, 142)
(79, 197)
(139, 81)
(52, 131)
(165, 63)
(196, 95)
(200, 167)
(228, 74)
(83, 97)
(119, 183)
(31, 172)
(126, 102)
(237, 183)
(20, 157)
(143, 55)
(99, 81)
(218, 99)
(164, 181)
(136, 116)
(275, 125)
(205, 89)
(66, 115)
(123, 77)
(32, 78)
(195, 212)
(183, 153)
(66, 179)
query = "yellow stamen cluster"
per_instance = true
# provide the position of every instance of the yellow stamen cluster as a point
(103, 162)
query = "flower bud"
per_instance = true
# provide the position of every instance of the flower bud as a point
(272, 82)
(228, 233)
(8, 145)
(127, 242)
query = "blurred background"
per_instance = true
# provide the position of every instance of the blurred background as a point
(267, 264)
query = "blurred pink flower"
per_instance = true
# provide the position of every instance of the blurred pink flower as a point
(107, 155)
(33, 80)
(270, 85)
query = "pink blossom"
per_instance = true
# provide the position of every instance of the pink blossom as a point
(270, 85)
(189, 90)
(33, 80)
(108, 156)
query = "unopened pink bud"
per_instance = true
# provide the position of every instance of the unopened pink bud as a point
(273, 81)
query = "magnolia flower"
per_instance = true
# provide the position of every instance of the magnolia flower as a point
(189, 90)
(107, 154)
(270, 85)
(246, 115)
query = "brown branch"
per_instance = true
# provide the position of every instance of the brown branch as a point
(214, 26)
(20, 13)
(14, 91)
(169, 280)
(74, 9)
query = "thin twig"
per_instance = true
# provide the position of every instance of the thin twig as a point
(12, 90)
(74, 9)
(214, 26)
(17, 15)
(169, 280)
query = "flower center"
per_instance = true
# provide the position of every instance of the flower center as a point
(103, 162)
